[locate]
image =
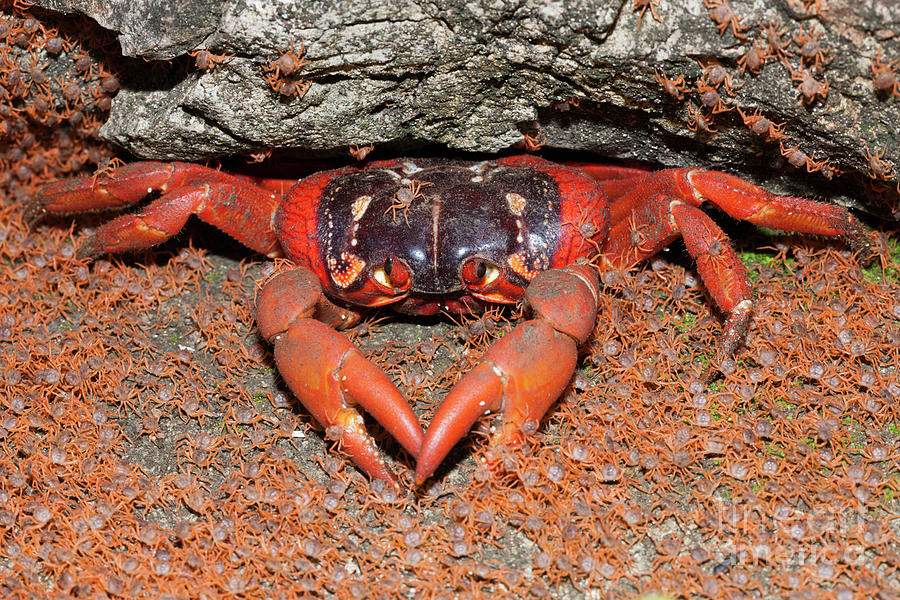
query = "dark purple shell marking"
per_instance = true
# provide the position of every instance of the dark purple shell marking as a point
(463, 209)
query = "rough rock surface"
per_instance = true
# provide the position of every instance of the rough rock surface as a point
(476, 76)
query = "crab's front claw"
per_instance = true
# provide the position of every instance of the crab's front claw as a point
(524, 372)
(330, 376)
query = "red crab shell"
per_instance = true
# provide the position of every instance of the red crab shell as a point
(467, 232)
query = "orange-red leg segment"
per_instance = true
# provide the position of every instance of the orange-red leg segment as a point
(330, 376)
(747, 202)
(720, 268)
(233, 204)
(524, 372)
(744, 201)
(128, 184)
(615, 181)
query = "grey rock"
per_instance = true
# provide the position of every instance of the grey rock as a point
(477, 75)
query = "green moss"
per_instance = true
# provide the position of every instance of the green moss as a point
(752, 258)
(688, 320)
(788, 407)
(214, 276)
(776, 449)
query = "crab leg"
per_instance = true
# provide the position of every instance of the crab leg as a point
(741, 200)
(329, 375)
(664, 206)
(614, 180)
(236, 205)
(525, 371)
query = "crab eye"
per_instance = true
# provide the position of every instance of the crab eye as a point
(393, 273)
(479, 273)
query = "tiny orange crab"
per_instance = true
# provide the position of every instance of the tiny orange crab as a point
(107, 168)
(878, 167)
(360, 152)
(710, 98)
(777, 47)
(206, 60)
(754, 59)
(404, 197)
(586, 229)
(698, 122)
(533, 140)
(643, 5)
(811, 51)
(762, 126)
(724, 17)
(288, 63)
(717, 75)
(565, 104)
(258, 157)
(884, 76)
(673, 87)
(816, 5)
(796, 157)
(799, 159)
(808, 86)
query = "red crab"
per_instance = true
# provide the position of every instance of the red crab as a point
(471, 233)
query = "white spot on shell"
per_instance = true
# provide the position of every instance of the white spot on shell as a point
(479, 167)
(516, 204)
(345, 274)
(358, 209)
(410, 167)
(690, 178)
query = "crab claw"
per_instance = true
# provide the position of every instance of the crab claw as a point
(524, 372)
(329, 375)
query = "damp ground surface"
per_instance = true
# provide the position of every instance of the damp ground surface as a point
(149, 446)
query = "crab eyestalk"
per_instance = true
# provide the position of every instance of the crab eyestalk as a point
(524, 373)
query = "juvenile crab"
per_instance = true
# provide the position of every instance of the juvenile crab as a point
(475, 233)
